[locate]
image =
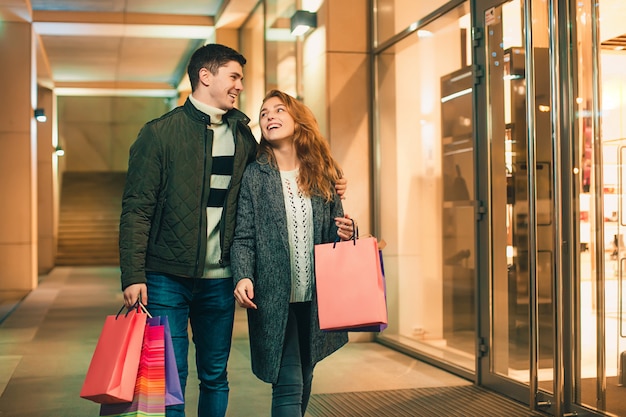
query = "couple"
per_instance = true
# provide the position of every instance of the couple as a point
(196, 229)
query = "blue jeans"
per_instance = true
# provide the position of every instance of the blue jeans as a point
(209, 305)
(291, 392)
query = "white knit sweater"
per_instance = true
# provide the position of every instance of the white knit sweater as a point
(300, 227)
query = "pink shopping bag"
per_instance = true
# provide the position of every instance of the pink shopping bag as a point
(349, 284)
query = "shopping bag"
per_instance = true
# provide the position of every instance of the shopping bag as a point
(113, 369)
(349, 284)
(149, 395)
(173, 391)
(376, 327)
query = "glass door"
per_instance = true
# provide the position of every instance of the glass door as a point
(601, 79)
(554, 327)
(602, 376)
(521, 203)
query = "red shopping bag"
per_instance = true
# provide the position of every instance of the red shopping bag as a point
(113, 369)
(349, 284)
(149, 393)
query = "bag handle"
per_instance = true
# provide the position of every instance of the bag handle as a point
(137, 306)
(355, 235)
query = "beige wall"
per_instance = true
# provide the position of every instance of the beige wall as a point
(96, 132)
(335, 80)
(336, 88)
(18, 167)
(47, 185)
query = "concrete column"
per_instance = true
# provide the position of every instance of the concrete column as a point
(335, 65)
(18, 168)
(47, 184)
(335, 85)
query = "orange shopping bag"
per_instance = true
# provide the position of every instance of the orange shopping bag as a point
(113, 369)
(350, 286)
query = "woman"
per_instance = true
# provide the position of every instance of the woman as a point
(287, 205)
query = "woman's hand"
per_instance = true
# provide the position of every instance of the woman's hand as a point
(244, 293)
(341, 186)
(345, 231)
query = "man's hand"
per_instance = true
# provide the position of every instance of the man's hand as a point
(244, 293)
(135, 292)
(341, 186)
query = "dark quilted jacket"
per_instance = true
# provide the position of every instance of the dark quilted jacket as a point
(163, 226)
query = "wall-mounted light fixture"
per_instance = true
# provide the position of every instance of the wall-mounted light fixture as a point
(302, 21)
(59, 151)
(40, 115)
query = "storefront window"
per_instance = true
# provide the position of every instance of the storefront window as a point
(394, 16)
(426, 192)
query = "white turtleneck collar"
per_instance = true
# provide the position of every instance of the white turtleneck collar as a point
(215, 113)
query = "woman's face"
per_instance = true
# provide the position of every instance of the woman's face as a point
(276, 122)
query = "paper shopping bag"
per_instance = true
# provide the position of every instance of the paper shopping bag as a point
(376, 327)
(173, 391)
(113, 369)
(349, 284)
(149, 395)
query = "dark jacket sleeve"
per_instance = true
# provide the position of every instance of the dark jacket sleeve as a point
(139, 200)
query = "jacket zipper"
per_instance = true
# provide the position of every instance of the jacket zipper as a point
(225, 208)
(202, 206)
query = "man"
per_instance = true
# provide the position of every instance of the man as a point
(178, 214)
(178, 219)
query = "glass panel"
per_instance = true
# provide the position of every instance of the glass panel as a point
(613, 110)
(612, 85)
(426, 189)
(394, 16)
(544, 193)
(507, 124)
(587, 317)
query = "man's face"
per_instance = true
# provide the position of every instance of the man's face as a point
(224, 87)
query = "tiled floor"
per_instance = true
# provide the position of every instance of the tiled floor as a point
(47, 341)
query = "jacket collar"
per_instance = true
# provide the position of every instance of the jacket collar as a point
(233, 114)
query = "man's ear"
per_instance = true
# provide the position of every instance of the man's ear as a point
(205, 76)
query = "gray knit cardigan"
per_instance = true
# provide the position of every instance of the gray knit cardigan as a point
(260, 251)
